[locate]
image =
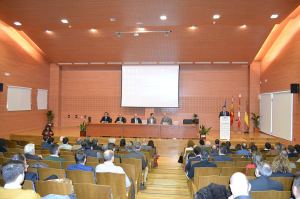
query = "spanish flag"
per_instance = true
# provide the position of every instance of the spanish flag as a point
(246, 119)
(231, 112)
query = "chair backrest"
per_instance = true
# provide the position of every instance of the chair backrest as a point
(224, 164)
(130, 172)
(92, 159)
(28, 184)
(242, 163)
(205, 171)
(66, 152)
(81, 176)
(90, 191)
(286, 182)
(46, 172)
(204, 181)
(228, 171)
(52, 164)
(52, 187)
(68, 157)
(116, 181)
(92, 164)
(137, 163)
(271, 194)
(67, 163)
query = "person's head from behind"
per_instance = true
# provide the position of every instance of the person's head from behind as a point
(204, 154)
(108, 155)
(257, 158)
(238, 147)
(223, 150)
(80, 157)
(190, 144)
(239, 185)
(137, 146)
(217, 142)
(122, 142)
(13, 172)
(201, 142)
(197, 150)
(244, 145)
(296, 187)
(214, 147)
(54, 150)
(151, 143)
(297, 147)
(22, 158)
(291, 149)
(50, 140)
(111, 146)
(263, 169)
(29, 149)
(268, 146)
(278, 147)
(281, 164)
(65, 140)
(253, 148)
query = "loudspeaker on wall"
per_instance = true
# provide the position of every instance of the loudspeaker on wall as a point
(1, 87)
(294, 88)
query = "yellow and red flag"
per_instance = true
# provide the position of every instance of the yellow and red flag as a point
(231, 112)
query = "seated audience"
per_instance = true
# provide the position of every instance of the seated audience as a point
(136, 120)
(239, 186)
(203, 163)
(296, 187)
(291, 151)
(120, 119)
(48, 144)
(65, 144)
(263, 182)
(222, 155)
(243, 151)
(28, 175)
(80, 158)
(281, 166)
(135, 152)
(196, 151)
(54, 154)
(109, 167)
(154, 153)
(256, 160)
(29, 151)
(13, 176)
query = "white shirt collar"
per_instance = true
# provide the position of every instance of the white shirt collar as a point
(12, 186)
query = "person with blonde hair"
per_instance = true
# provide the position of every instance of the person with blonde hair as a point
(281, 166)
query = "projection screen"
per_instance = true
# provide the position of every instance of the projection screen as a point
(150, 85)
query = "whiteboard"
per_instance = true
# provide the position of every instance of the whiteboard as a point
(42, 99)
(282, 115)
(18, 98)
(266, 113)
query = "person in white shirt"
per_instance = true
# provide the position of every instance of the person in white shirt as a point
(109, 167)
(65, 144)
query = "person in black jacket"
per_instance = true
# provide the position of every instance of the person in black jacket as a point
(224, 112)
(106, 118)
(136, 120)
(120, 119)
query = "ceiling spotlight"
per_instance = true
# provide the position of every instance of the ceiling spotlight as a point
(6, 74)
(163, 17)
(69, 26)
(243, 26)
(64, 21)
(193, 27)
(216, 16)
(274, 16)
(136, 34)
(17, 23)
(49, 31)
(214, 22)
(93, 30)
(112, 19)
(141, 29)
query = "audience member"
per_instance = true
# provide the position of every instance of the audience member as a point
(297, 147)
(214, 151)
(29, 151)
(268, 146)
(65, 144)
(155, 155)
(222, 155)
(48, 144)
(28, 175)
(203, 163)
(108, 166)
(281, 166)
(13, 176)
(217, 143)
(80, 158)
(243, 151)
(54, 154)
(296, 187)
(196, 150)
(256, 160)
(263, 182)
(122, 145)
(239, 186)
(292, 151)
(189, 148)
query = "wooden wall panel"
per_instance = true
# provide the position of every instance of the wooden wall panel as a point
(24, 71)
(203, 90)
(283, 71)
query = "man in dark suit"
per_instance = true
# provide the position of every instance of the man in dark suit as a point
(120, 119)
(106, 118)
(224, 112)
(263, 181)
(203, 163)
(151, 119)
(136, 120)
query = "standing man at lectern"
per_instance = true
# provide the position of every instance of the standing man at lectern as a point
(166, 120)
(224, 112)
(106, 118)
(136, 120)
(120, 119)
(151, 119)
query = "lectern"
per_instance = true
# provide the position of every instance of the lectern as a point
(225, 128)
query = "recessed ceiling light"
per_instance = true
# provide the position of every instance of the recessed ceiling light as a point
(64, 21)
(163, 17)
(136, 34)
(93, 30)
(141, 29)
(112, 19)
(274, 16)
(214, 22)
(216, 16)
(193, 27)
(49, 31)
(6, 74)
(243, 26)
(17, 23)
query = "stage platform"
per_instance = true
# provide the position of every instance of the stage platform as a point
(166, 147)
